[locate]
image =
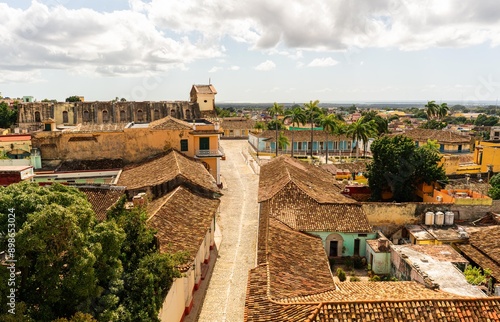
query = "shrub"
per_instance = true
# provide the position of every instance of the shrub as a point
(341, 274)
(354, 279)
(358, 262)
(349, 264)
(375, 278)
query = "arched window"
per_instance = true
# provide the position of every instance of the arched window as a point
(172, 112)
(86, 116)
(188, 114)
(105, 116)
(156, 115)
(122, 116)
(37, 117)
(139, 116)
(65, 116)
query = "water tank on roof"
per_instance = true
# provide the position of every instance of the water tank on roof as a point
(429, 218)
(439, 218)
(449, 218)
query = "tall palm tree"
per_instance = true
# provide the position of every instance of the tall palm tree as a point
(431, 109)
(442, 110)
(329, 123)
(297, 116)
(275, 111)
(361, 131)
(312, 111)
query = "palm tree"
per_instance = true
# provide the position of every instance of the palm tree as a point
(297, 116)
(361, 131)
(431, 109)
(275, 111)
(329, 123)
(442, 110)
(282, 141)
(312, 111)
(339, 130)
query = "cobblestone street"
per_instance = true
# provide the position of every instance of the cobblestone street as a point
(225, 297)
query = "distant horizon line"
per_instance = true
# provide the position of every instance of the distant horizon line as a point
(364, 102)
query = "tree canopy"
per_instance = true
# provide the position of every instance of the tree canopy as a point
(8, 116)
(494, 191)
(73, 98)
(73, 268)
(399, 166)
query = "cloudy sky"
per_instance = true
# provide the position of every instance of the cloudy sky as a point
(252, 51)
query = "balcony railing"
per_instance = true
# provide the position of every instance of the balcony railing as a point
(210, 153)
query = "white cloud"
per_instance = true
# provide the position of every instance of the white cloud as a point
(117, 43)
(341, 24)
(323, 62)
(158, 35)
(234, 68)
(214, 69)
(266, 66)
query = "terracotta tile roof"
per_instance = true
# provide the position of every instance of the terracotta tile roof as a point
(169, 123)
(302, 136)
(101, 199)
(442, 136)
(423, 310)
(484, 249)
(293, 282)
(288, 267)
(165, 168)
(205, 89)
(237, 124)
(315, 182)
(181, 219)
(300, 212)
(259, 308)
(294, 258)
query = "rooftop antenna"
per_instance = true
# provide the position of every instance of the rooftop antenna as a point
(209, 81)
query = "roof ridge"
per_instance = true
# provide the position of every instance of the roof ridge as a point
(164, 202)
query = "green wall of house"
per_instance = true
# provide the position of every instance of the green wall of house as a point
(348, 241)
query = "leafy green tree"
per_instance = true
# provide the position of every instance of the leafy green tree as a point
(312, 112)
(494, 191)
(8, 116)
(361, 131)
(485, 120)
(433, 125)
(74, 98)
(275, 125)
(72, 266)
(399, 166)
(297, 116)
(329, 123)
(260, 126)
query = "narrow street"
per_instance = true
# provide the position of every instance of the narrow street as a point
(225, 297)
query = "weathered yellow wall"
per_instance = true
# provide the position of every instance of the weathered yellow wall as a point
(130, 145)
(209, 104)
(390, 213)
